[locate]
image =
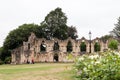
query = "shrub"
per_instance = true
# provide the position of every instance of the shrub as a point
(7, 60)
(1, 62)
(113, 44)
(103, 66)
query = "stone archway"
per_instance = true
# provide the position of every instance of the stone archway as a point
(83, 47)
(55, 57)
(56, 46)
(69, 46)
(97, 47)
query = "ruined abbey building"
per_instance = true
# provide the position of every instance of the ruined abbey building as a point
(55, 50)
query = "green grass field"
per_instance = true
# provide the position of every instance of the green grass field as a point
(39, 71)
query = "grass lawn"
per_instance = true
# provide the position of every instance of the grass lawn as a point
(39, 71)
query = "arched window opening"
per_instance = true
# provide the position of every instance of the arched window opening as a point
(43, 47)
(97, 47)
(56, 46)
(83, 47)
(69, 46)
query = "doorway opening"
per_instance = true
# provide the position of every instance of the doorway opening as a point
(56, 58)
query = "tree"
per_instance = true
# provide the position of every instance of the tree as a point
(113, 44)
(105, 38)
(4, 54)
(55, 23)
(16, 37)
(0, 53)
(72, 32)
(116, 30)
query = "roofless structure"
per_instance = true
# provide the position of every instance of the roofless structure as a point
(55, 50)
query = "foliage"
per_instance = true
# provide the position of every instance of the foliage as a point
(56, 26)
(55, 23)
(105, 38)
(1, 62)
(72, 32)
(17, 36)
(116, 30)
(4, 54)
(0, 52)
(83, 47)
(113, 44)
(97, 47)
(7, 60)
(103, 66)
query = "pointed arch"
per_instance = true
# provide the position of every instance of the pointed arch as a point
(83, 47)
(56, 46)
(96, 47)
(43, 46)
(69, 46)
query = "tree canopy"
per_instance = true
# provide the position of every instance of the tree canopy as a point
(116, 31)
(17, 36)
(55, 23)
(72, 32)
(105, 38)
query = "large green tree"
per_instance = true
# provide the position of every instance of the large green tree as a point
(17, 36)
(116, 30)
(55, 23)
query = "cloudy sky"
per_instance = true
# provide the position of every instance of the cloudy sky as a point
(97, 16)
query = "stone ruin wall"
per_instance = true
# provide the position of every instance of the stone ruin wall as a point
(31, 49)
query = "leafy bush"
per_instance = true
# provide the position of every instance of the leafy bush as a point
(1, 62)
(7, 60)
(113, 44)
(102, 66)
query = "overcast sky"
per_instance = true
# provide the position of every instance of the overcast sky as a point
(97, 16)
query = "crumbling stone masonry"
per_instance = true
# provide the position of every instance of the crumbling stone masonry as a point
(55, 50)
